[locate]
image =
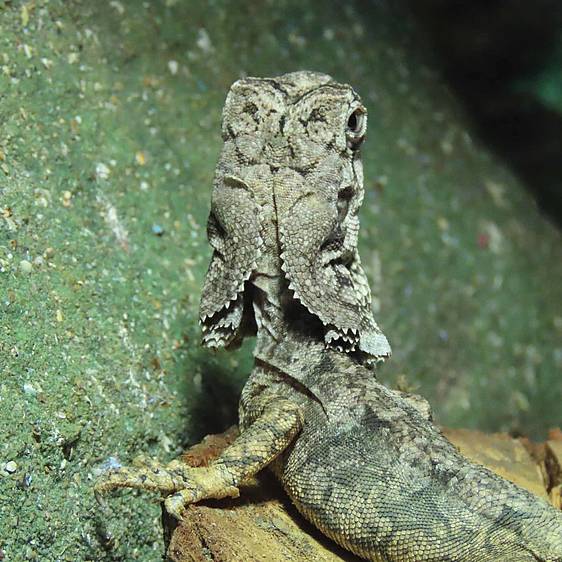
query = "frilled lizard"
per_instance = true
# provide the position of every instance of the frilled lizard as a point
(363, 463)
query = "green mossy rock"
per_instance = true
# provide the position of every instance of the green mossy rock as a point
(109, 133)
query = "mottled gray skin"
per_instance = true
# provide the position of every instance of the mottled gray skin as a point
(362, 462)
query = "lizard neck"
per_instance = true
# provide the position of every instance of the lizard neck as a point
(285, 329)
(288, 337)
(279, 317)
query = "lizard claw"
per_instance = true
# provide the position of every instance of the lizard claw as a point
(186, 484)
(175, 504)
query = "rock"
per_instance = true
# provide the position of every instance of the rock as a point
(10, 467)
(503, 454)
(26, 267)
(553, 467)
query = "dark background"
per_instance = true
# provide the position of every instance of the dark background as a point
(503, 59)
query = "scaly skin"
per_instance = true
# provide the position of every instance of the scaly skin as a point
(363, 463)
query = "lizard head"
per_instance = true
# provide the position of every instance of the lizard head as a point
(291, 159)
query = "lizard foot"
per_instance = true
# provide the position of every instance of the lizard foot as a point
(175, 505)
(187, 484)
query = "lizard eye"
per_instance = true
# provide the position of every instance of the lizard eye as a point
(353, 122)
(356, 127)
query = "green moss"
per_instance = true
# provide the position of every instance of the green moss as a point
(107, 154)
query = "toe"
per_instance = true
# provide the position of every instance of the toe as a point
(175, 504)
(154, 478)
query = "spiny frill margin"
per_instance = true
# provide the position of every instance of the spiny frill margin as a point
(320, 260)
(234, 233)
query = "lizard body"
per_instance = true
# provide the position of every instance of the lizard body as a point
(362, 462)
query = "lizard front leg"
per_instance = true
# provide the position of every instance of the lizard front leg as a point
(273, 424)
